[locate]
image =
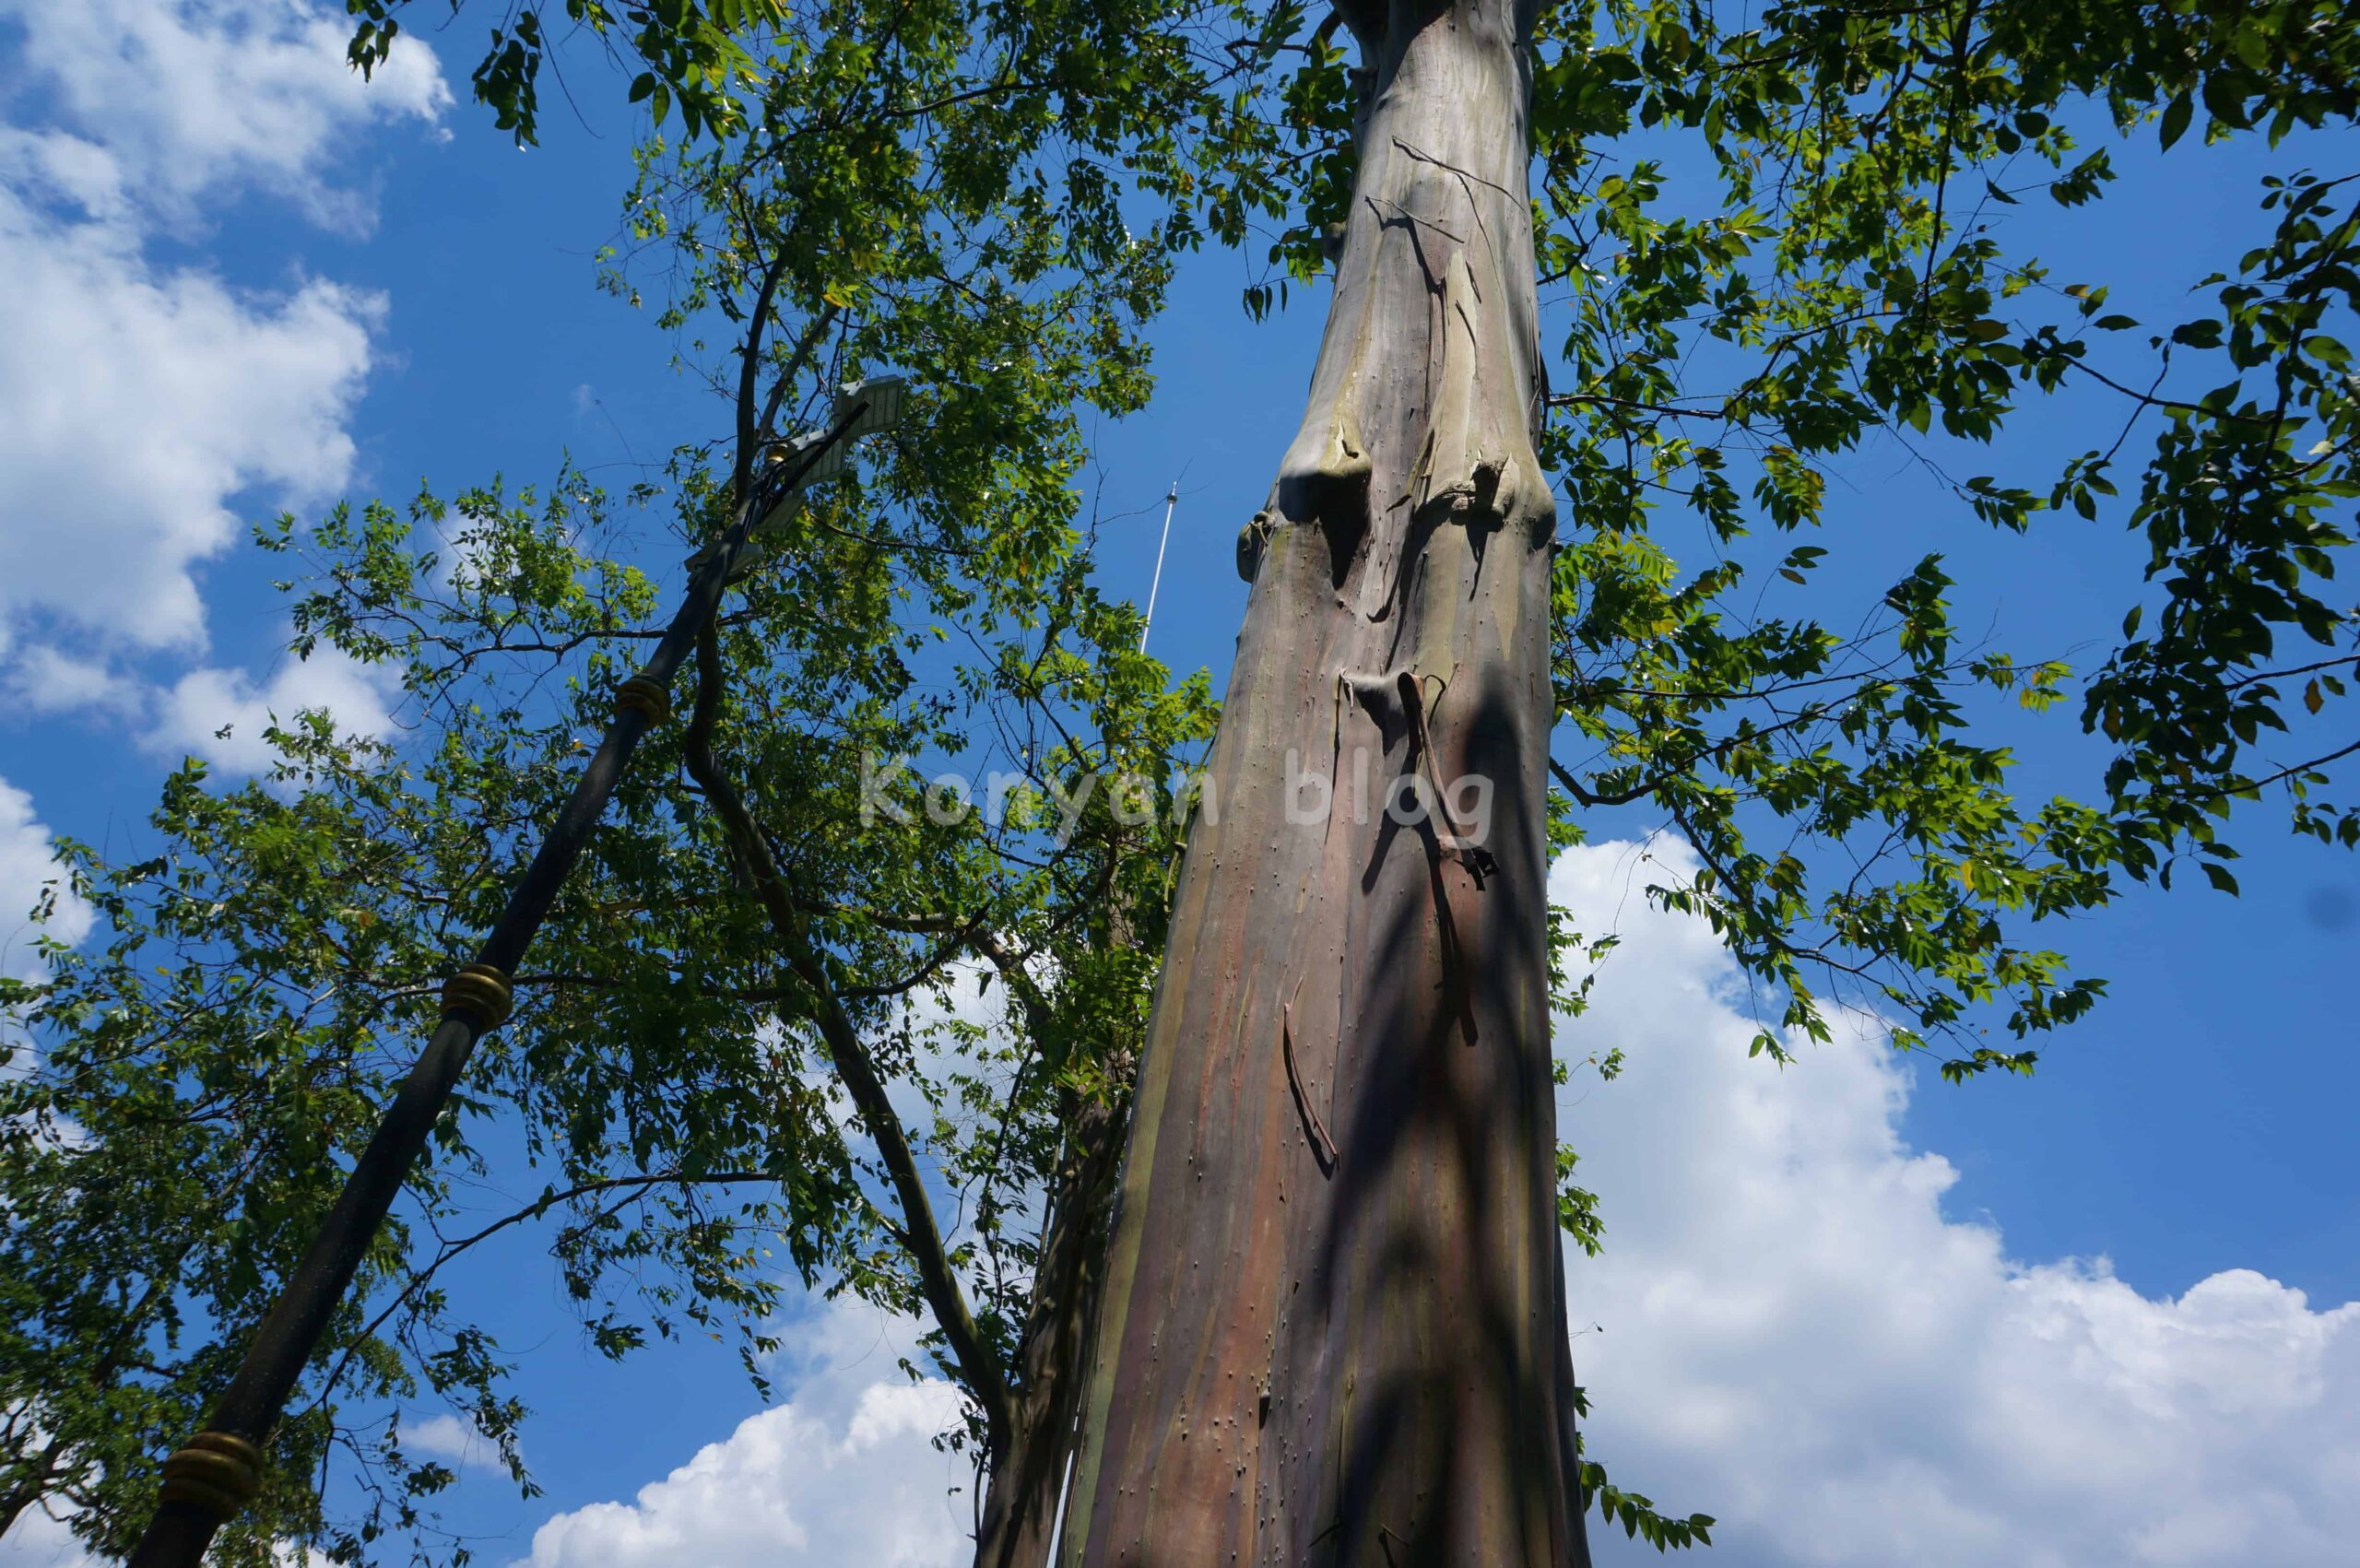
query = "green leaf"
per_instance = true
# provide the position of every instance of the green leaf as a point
(2177, 115)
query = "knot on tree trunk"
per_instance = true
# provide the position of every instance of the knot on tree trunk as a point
(1476, 467)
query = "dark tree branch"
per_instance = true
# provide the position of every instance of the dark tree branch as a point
(977, 1367)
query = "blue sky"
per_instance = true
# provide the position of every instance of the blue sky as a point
(248, 282)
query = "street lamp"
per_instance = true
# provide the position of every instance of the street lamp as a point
(865, 407)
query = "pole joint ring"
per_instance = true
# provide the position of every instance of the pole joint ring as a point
(216, 1472)
(647, 696)
(480, 993)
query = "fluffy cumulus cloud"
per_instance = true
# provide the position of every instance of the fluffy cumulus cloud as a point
(848, 1472)
(139, 403)
(152, 404)
(1787, 1330)
(197, 97)
(222, 716)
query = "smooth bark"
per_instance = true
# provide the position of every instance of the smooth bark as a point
(1332, 1328)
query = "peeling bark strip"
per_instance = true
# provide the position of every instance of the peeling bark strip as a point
(1366, 1364)
(1327, 1144)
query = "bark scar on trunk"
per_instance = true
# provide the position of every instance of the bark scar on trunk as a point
(1476, 465)
(1323, 1148)
(1443, 842)
(1253, 540)
(1326, 480)
(1375, 694)
(1452, 841)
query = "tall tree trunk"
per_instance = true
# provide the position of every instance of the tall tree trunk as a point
(1020, 1517)
(1332, 1328)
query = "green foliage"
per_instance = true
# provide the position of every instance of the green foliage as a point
(1838, 280)
(1635, 1512)
(1638, 1517)
(172, 1146)
(1843, 283)
(684, 52)
(931, 190)
(223, 1053)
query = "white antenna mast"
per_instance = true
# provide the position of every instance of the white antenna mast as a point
(1171, 499)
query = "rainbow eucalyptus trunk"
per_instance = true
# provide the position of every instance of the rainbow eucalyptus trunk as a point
(1332, 1327)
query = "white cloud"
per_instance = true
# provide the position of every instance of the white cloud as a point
(28, 864)
(1792, 1336)
(846, 1473)
(192, 714)
(451, 1437)
(27, 861)
(40, 1542)
(44, 680)
(195, 96)
(147, 405)
(61, 168)
(138, 402)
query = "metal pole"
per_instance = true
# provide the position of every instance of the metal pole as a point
(1171, 499)
(219, 1471)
